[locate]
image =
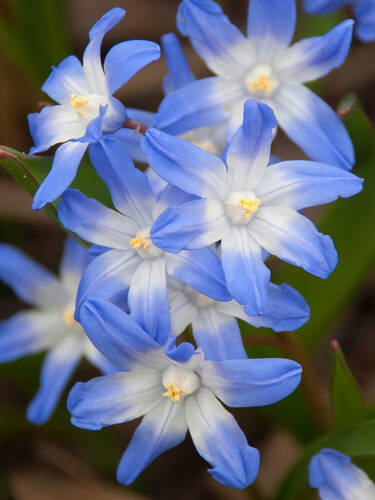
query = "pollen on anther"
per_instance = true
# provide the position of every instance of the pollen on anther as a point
(261, 83)
(78, 102)
(173, 393)
(68, 316)
(249, 205)
(139, 242)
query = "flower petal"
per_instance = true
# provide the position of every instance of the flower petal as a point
(57, 369)
(270, 26)
(314, 57)
(114, 399)
(183, 311)
(162, 428)
(251, 382)
(179, 72)
(248, 152)
(222, 46)
(301, 184)
(313, 126)
(192, 225)
(63, 171)
(73, 262)
(364, 11)
(185, 165)
(218, 335)
(246, 274)
(94, 222)
(323, 6)
(293, 238)
(219, 440)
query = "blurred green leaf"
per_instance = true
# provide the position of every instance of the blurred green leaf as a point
(347, 401)
(358, 442)
(350, 223)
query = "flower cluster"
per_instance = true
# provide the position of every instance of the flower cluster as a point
(186, 241)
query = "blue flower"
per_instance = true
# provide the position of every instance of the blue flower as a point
(247, 205)
(337, 478)
(174, 390)
(129, 259)
(263, 67)
(364, 11)
(214, 326)
(49, 325)
(86, 109)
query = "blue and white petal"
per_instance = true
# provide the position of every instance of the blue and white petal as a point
(191, 225)
(293, 238)
(63, 170)
(251, 382)
(313, 126)
(119, 338)
(185, 165)
(179, 72)
(73, 262)
(270, 27)
(114, 399)
(219, 440)
(301, 184)
(220, 44)
(183, 311)
(364, 11)
(312, 58)
(163, 428)
(57, 369)
(94, 222)
(246, 274)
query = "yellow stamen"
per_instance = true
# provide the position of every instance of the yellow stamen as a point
(173, 393)
(261, 83)
(78, 103)
(68, 316)
(139, 242)
(250, 205)
(203, 146)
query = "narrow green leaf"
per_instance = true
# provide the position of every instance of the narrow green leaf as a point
(347, 401)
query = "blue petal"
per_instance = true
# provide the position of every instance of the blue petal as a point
(222, 46)
(170, 196)
(127, 58)
(107, 275)
(161, 429)
(64, 169)
(181, 353)
(94, 130)
(56, 371)
(323, 6)
(270, 26)
(251, 382)
(314, 57)
(185, 165)
(30, 281)
(95, 222)
(148, 299)
(191, 225)
(74, 260)
(114, 399)
(246, 274)
(141, 116)
(118, 337)
(219, 440)
(301, 184)
(313, 126)
(322, 462)
(200, 269)
(196, 105)
(364, 10)
(179, 72)
(218, 335)
(130, 190)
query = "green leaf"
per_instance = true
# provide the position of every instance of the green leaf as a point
(358, 442)
(350, 223)
(347, 401)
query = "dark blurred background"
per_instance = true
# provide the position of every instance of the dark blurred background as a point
(58, 461)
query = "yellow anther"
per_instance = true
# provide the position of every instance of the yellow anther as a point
(261, 83)
(68, 316)
(139, 242)
(204, 146)
(78, 103)
(250, 205)
(173, 393)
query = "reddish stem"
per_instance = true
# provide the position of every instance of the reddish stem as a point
(138, 127)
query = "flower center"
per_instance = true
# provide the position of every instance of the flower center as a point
(179, 382)
(78, 103)
(241, 206)
(205, 145)
(87, 107)
(143, 245)
(68, 317)
(261, 81)
(140, 242)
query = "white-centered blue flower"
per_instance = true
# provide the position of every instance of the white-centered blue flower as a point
(130, 260)
(214, 326)
(364, 12)
(262, 67)
(175, 390)
(49, 326)
(86, 108)
(337, 478)
(247, 205)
